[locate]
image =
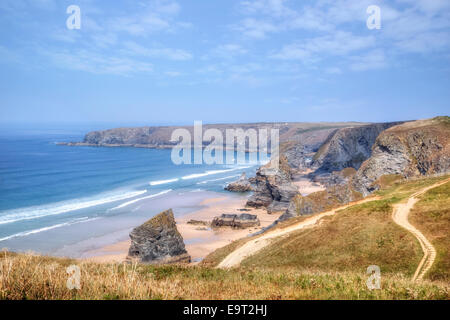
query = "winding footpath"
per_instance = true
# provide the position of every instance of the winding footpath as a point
(253, 246)
(400, 216)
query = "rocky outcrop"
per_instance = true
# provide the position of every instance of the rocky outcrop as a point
(411, 149)
(158, 241)
(300, 152)
(348, 147)
(274, 188)
(333, 197)
(241, 185)
(241, 221)
(198, 222)
(160, 137)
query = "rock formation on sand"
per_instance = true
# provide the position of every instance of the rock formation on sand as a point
(274, 188)
(241, 185)
(158, 241)
(240, 221)
(412, 149)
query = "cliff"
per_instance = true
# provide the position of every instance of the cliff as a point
(411, 149)
(274, 188)
(160, 136)
(348, 147)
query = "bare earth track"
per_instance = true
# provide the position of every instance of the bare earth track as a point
(254, 245)
(400, 216)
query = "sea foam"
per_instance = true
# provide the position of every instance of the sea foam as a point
(219, 179)
(159, 182)
(211, 172)
(27, 233)
(140, 199)
(62, 207)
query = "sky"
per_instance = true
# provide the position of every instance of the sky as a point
(173, 62)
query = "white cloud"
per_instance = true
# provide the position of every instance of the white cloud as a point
(371, 61)
(341, 43)
(83, 60)
(254, 28)
(333, 70)
(133, 48)
(269, 7)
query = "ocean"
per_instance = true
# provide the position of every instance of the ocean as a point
(64, 201)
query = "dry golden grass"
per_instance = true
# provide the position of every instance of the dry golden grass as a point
(431, 215)
(35, 277)
(350, 240)
(325, 262)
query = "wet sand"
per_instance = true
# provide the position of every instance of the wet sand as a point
(304, 184)
(200, 240)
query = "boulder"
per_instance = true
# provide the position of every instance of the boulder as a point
(246, 220)
(158, 241)
(198, 222)
(241, 221)
(225, 220)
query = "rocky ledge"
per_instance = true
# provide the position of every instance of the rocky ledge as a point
(274, 188)
(158, 241)
(417, 148)
(241, 221)
(241, 185)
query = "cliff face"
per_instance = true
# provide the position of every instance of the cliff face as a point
(410, 149)
(274, 188)
(348, 147)
(160, 137)
(130, 136)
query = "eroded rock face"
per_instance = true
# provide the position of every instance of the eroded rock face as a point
(241, 185)
(241, 221)
(411, 149)
(274, 188)
(158, 241)
(349, 147)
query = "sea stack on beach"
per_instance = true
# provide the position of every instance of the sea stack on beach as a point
(158, 241)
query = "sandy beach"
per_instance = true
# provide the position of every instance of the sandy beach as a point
(200, 240)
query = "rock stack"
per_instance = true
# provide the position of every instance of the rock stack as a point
(158, 241)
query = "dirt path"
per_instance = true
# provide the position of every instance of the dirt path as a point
(254, 245)
(400, 216)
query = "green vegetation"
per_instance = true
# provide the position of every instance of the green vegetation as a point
(328, 261)
(35, 277)
(431, 215)
(350, 240)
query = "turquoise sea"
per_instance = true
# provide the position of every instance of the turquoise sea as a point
(63, 200)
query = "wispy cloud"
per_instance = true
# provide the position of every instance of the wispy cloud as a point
(369, 61)
(340, 43)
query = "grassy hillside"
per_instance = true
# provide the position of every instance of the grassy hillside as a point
(431, 215)
(35, 277)
(351, 240)
(328, 261)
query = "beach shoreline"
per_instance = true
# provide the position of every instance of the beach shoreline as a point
(202, 240)
(199, 240)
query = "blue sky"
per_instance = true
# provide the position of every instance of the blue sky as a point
(166, 61)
